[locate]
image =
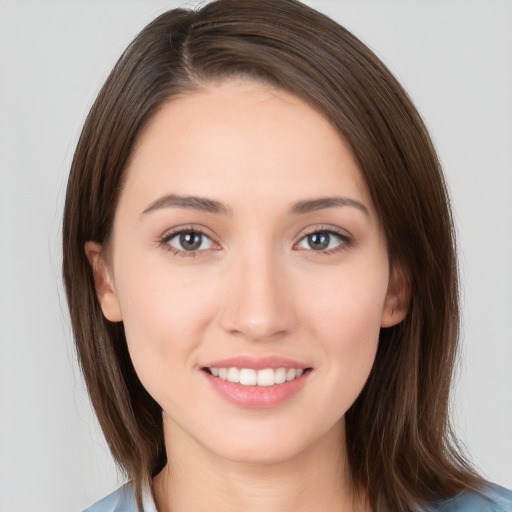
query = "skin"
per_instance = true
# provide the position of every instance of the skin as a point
(257, 289)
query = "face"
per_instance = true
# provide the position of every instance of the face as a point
(246, 248)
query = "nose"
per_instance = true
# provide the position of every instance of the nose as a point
(258, 299)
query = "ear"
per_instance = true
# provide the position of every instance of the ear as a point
(103, 282)
(398, 295)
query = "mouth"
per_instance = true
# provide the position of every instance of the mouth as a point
(256, 382)
(264, 377)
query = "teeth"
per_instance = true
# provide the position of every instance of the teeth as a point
(251, 377)
(280, 376)
(248, 377)
(266, 377)
(233, 375)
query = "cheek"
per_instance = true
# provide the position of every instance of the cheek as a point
(345, 318)
(347, 305)
(164, 314)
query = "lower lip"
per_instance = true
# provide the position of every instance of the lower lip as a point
(257, 397)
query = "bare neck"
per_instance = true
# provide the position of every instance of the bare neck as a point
(197, 479)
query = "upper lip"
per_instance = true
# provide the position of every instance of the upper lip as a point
(256, 363)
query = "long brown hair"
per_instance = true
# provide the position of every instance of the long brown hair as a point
(400, 445)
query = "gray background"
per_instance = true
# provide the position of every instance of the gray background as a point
(455, 59)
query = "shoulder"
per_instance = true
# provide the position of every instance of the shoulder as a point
(491, 498)
(123, 500)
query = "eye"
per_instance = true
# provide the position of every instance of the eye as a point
(188, 241)
(325, 240)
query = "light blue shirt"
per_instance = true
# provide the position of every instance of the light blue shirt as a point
(493, 499)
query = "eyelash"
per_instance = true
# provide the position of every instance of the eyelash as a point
(345, 240)
(163, 241)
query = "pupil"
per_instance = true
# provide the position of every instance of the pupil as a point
(318, 241)
(190, 241)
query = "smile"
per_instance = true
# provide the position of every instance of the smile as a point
(251, 377)
(256, 389)
(256, 382)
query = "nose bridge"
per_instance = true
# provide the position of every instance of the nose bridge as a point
(258, 301)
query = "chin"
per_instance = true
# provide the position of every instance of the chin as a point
(259, 454)
(266, 446)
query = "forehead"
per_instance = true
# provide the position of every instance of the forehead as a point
(240, 136)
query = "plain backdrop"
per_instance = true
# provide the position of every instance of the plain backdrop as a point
(455, 59)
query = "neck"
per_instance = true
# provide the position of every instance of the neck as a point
(197, 479)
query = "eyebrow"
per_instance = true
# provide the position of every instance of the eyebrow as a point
(303, 207)
(212, 206)
(188, 202)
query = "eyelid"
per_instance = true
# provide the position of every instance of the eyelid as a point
(346, 238)
(163, 240)
(329, 228)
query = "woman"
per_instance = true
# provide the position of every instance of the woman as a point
(260, 269)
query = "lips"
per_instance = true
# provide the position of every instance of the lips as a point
(256, 382)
